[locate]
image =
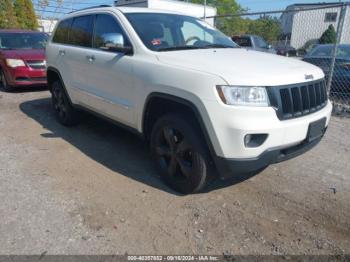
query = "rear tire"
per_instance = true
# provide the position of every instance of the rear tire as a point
(3, 82)
(180, 154)
(65, 112)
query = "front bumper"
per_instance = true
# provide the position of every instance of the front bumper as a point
(26, 76)
(232, 124)
(230, 167)
(285, 139)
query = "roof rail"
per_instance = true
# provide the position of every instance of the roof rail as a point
(91, 7)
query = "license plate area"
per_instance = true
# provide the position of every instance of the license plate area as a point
(316, 129)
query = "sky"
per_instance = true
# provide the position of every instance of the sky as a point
(252, 5)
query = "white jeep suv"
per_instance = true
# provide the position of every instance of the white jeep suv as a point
(199, 100)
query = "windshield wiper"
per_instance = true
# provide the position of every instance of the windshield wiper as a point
(182, 47)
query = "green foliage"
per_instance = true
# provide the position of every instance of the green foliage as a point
(31, 19)
(20, 13)
(228, 25)
(7, 15)
(329, 36)
(267, 27)
(17, 14)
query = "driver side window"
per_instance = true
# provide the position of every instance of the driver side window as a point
(192, 33)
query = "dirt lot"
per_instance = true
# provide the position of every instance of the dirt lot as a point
(91, 189)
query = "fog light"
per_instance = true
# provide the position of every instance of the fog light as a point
(247, 139)
(254, 140)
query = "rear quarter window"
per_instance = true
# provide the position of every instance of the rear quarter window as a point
(62, 32)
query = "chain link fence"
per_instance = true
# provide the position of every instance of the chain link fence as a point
(315, 33)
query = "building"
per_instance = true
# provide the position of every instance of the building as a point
(47, 25)
(302, 26)
(195, 10)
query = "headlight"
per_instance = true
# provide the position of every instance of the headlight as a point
(243, 95)
(14, 62)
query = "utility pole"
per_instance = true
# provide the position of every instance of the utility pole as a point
(205, 10)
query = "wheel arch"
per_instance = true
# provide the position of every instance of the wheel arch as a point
(167, 103)
(53, 75)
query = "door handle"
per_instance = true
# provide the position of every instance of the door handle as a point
(91, 58)
(62, 52)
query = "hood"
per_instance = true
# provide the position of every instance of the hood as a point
(239, 66)
(25, 54)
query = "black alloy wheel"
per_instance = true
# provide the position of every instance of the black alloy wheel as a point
(180, 154)
(65, 113)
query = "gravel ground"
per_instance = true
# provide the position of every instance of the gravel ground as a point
(91, 189)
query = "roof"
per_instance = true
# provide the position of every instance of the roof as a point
(18, 31)
(144, 10)
(123, 9)
(319, 4)
(133, 2)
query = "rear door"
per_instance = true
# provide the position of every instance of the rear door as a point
(56, 52)
(76, 56)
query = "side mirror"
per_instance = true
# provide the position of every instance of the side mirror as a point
(114, 42)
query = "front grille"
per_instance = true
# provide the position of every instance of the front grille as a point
(39, 79)
(33, 79)
(298, 100)
(36, 64)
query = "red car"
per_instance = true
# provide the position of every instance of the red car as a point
(22, 58)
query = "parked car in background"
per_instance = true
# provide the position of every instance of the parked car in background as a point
(308, 46)
(321, 56)
(22, 58)
(286, 50)
(254, 42)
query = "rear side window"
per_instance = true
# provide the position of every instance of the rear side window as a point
(81, 31)
(62, 32)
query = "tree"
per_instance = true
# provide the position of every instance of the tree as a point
(20, 12)
(31, 19)
(7, 15)
(329, 36)
(267, 27)
(229, 25)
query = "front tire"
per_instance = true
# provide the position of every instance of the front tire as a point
(3, 82)
(180, 154)
(65, 112)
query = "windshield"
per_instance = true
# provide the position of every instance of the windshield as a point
(326, 51)
(167, 32)
(23, 40)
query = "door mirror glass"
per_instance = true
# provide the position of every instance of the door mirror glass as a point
(112, 40)
(109, 35)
